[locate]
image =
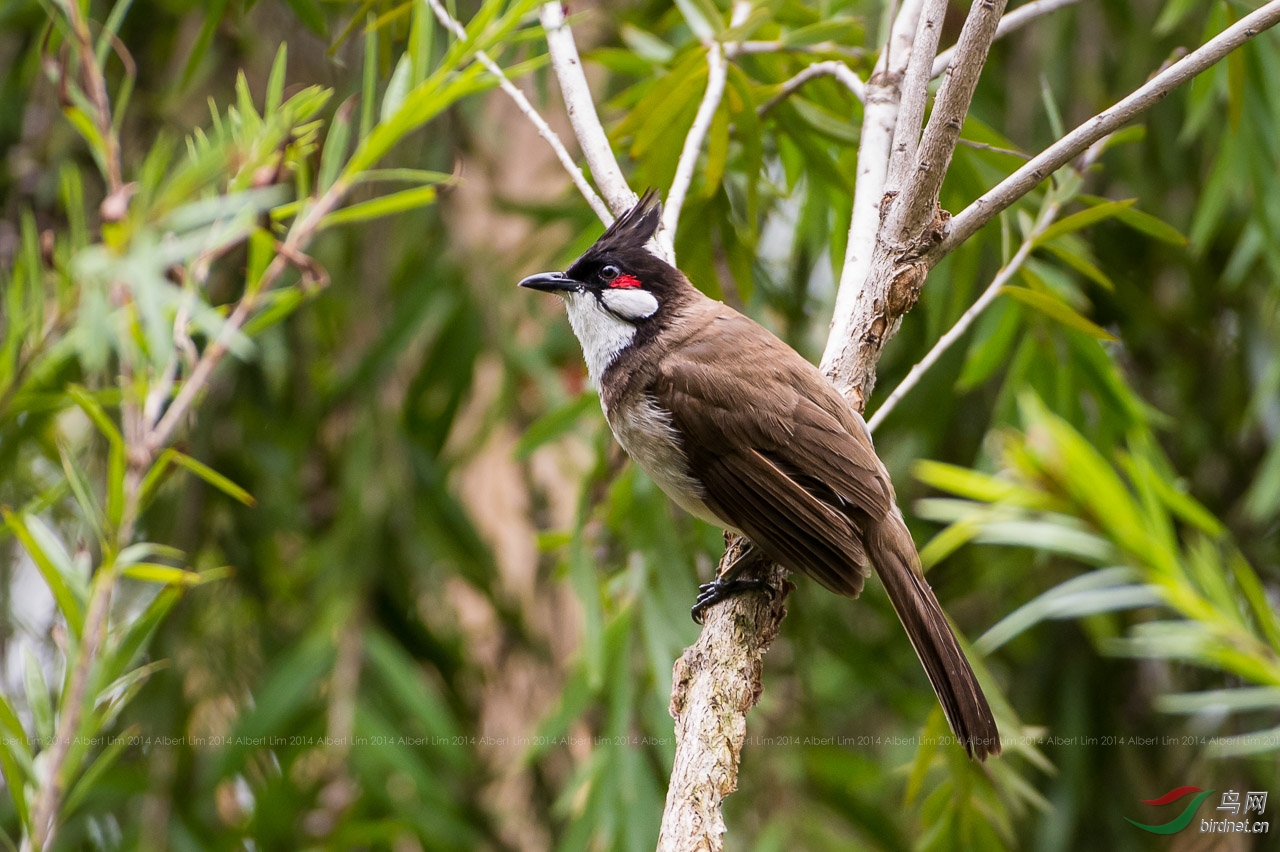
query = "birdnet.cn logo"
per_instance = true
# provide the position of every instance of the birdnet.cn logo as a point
(1254, 802)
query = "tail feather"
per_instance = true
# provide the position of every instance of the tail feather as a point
(894, 556)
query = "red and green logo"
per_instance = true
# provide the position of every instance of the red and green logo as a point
(1183, 819)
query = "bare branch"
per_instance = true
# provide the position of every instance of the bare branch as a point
(878, 122)
(714, 685)
(913, 209)
(1012, 22)
(717, 70)
(826, 47)
(914, 93)
(967, 319)
(530, 112)
(830, 68)
(1025, 179)
(582, 110)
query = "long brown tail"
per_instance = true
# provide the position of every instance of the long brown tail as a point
(894, 556)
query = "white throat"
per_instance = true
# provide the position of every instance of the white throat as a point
(602, 333)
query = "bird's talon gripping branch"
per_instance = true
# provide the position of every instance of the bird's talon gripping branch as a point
(710, 594)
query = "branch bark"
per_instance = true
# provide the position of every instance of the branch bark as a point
(582, 110)
(832, 68)
(991, 203)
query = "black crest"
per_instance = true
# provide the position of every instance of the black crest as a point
(632, 229)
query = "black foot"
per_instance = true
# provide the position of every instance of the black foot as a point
(710, 594)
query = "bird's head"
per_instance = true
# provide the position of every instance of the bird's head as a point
(618, 288)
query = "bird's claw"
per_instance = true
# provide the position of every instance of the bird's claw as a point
(710, 594)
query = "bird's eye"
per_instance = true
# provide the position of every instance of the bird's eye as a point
(609, 273)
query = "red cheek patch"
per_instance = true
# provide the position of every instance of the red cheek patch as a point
(625, 282)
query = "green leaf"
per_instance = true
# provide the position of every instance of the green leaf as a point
(840, 31)
(397, 88)
(214, 12)
(1056, 309)
(386, 205)
(38, 699)
(58, 575)
(97, 414)
(15, 760)
(369, 85)
(150, 572)
(109, 30)
(211, 476)
(1238, 700)
(1081, 264)
(139, 631)
(85, 785)
(335, 148)
(275, 81)
(83, 491)
(1083, 219)
(1104, 590)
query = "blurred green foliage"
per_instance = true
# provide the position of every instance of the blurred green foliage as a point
(395, 587)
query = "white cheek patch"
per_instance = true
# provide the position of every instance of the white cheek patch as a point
(601, 334)
(634, 304)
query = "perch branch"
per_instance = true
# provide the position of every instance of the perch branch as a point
(530, 112)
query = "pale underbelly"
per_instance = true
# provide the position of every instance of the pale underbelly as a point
(644, 430)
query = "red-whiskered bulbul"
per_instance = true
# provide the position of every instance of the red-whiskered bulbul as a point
(741, 431)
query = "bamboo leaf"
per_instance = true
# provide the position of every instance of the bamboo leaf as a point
(1083, 219)
(38, 700)
(1056, 309)
(386, 205)
(70, 603)
(211, 476)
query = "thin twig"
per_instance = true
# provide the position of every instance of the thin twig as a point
(983, 146)
(967, 319)
(1012, 22)
(530, 112)
(582, 110)
(746, 48)
(97, 86)
(831, 68)
(1025, 179)
(716, 72)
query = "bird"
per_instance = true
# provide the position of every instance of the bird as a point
(739, 430)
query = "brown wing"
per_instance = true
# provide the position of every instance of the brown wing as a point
(777, 458)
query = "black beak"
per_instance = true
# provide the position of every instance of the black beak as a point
(550, 282)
